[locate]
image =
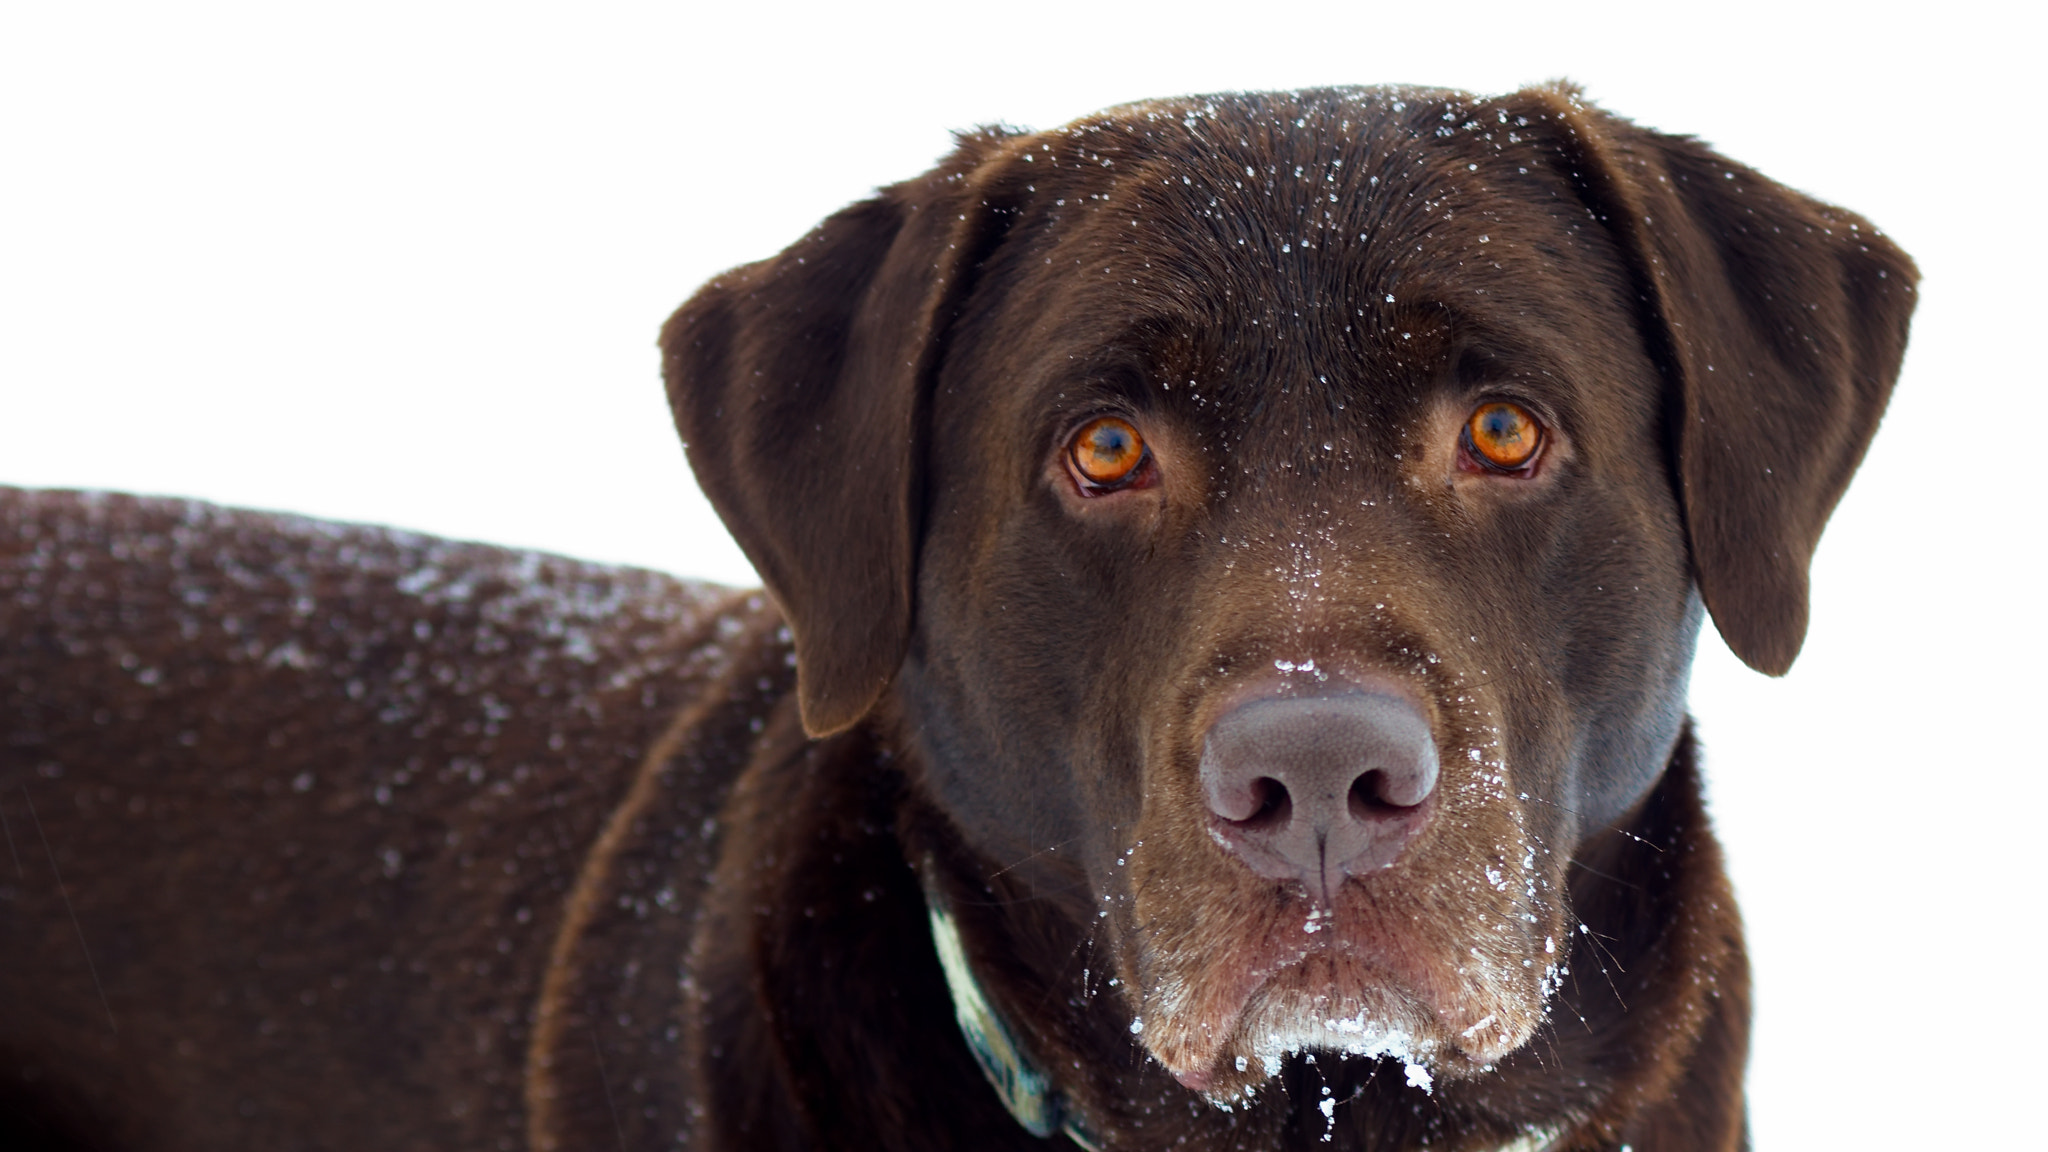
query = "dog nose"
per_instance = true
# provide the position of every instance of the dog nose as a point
(1317, 788)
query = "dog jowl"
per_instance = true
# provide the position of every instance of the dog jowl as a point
(1264, 537)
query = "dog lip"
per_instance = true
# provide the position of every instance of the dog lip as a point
(1372, 956)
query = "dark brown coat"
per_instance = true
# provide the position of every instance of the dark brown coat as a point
(370, 840)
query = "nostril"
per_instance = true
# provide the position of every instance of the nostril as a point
(1365, 796)
(1370, 796)
(1272, 805)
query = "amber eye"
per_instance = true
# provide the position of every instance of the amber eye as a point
(1503, 435)
(1106, 452)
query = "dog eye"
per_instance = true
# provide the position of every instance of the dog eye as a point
(1106, 452)
(1503, 436)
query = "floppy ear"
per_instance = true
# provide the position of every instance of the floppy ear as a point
(1780, 322)
(799, 385)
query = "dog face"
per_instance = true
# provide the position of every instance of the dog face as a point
(1309, 521)
(1279, 525)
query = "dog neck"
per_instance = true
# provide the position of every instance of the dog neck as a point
(1024, 1088)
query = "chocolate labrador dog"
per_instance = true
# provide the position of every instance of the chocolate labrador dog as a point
(1232, 568)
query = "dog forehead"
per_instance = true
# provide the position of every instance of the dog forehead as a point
(1324, 234)
(1274, 198)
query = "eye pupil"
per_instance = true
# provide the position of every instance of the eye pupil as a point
(1107, 451)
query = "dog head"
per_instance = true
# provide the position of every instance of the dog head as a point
(1281, 523)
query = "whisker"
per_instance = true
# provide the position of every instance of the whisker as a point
(66, 897)
(1609, 828)
(1035, 894)
(604, 1079)
(1019, 863)
(1584, 867)
(1594, 938)
(19, 871)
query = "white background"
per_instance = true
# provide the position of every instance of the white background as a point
(404, 263)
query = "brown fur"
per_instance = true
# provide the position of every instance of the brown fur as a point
(369, 840)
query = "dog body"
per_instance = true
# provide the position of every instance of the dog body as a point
(1234, 567)
(318, 797)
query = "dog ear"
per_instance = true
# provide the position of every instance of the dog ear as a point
(1780, 322)
(799, 385)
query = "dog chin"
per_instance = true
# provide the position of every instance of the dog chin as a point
(1299, 1013)
(1279, 1024)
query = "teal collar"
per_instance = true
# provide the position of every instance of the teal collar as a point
(1023, 1088)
